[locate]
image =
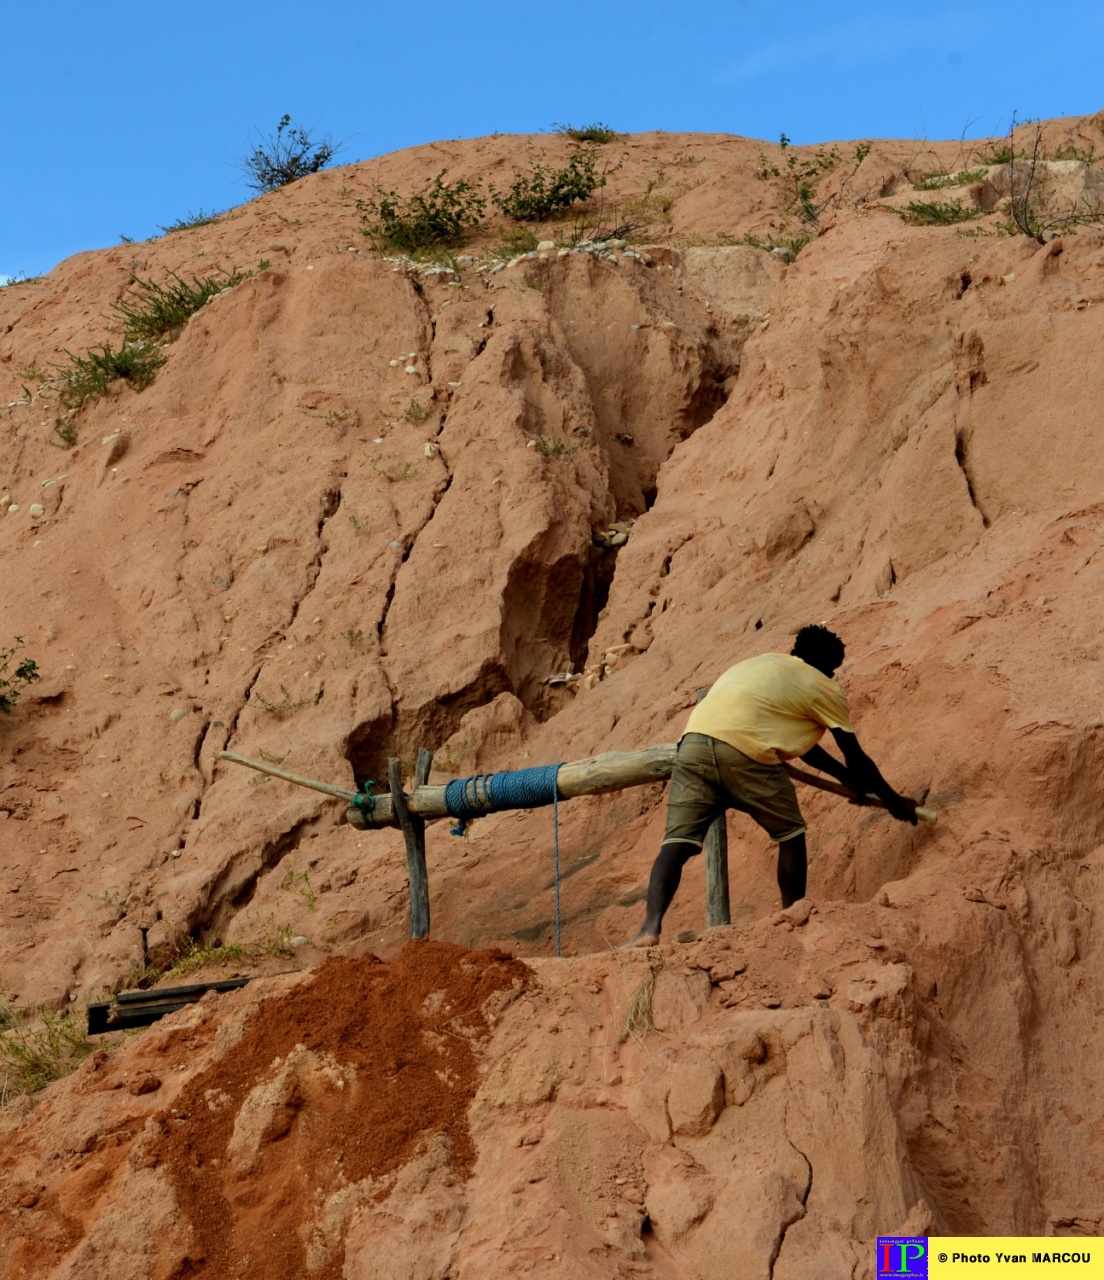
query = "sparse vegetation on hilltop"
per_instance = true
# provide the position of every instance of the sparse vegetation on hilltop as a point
(596, 132)
(284, 157)
(938, 213)
(89, 376)
(191, 221)
(939, 181)
(799, 176)
(1031, 215)
(541, 193)
(514, 242)
(442, 214)
(148, 311)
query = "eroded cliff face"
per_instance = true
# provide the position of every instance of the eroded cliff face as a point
(365, 507)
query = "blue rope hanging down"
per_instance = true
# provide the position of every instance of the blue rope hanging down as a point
(468, 798)
(556, 864)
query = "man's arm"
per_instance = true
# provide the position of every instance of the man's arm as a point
(863, 773)
(820, 759)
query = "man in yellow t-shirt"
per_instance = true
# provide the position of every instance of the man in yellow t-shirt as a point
(771, 708)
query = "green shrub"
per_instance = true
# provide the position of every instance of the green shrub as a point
(791, 244)
(12, 686)
(149, 311)
(938, 213)
(542, 192)
(66, 431)
(441, 214)
(417, 412)
(799, 193)
(959, 179)
(1086, 155)
(397, 476)
(192, 220)
(514, 242)
(552, 448)
(284, 157)
(184, 954)
(596, 132)
(31, 1055)
(89, 376)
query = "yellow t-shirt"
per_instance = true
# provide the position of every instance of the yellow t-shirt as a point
(772, 708)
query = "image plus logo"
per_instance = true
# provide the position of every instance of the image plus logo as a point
(902, 1257)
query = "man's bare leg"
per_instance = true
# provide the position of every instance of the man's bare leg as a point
(664, 881)
(792, 865)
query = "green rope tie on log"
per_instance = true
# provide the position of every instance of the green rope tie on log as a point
(365, 801)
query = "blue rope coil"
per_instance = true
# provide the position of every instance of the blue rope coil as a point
(468, 798)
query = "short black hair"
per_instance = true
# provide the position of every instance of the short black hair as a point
(819, 647)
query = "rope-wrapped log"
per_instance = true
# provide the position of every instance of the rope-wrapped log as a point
(595, 776)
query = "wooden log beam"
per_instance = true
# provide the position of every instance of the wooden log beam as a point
(592, 777)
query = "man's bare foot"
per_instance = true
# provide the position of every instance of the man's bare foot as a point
(645, 938)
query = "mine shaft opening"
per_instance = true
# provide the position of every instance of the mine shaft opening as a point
(594, 595)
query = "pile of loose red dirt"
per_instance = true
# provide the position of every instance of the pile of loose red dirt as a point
(346, 1078)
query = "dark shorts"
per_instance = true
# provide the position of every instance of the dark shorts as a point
(709, 777)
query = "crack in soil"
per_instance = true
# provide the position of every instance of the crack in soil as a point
(786, 1225)
(964, 466)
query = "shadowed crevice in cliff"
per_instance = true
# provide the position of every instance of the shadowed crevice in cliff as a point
(654, 383)
(598, 575)
(962, 458)
(236, 884)
(371, 746)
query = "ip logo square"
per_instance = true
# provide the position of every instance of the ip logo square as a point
(902, 1258)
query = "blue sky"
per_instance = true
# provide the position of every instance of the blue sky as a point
(123, 119)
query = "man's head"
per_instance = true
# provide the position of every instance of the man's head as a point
(820, 648)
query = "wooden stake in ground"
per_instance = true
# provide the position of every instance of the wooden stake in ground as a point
(413, 829)
(716, 867)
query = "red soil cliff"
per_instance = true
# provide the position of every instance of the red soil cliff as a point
(272, 550)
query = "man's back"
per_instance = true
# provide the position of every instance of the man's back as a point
(772, 707)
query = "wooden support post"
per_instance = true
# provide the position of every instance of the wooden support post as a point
(413, 829)
(716, 867)
(716, 874)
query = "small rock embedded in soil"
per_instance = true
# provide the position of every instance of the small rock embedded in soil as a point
(37, 510)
